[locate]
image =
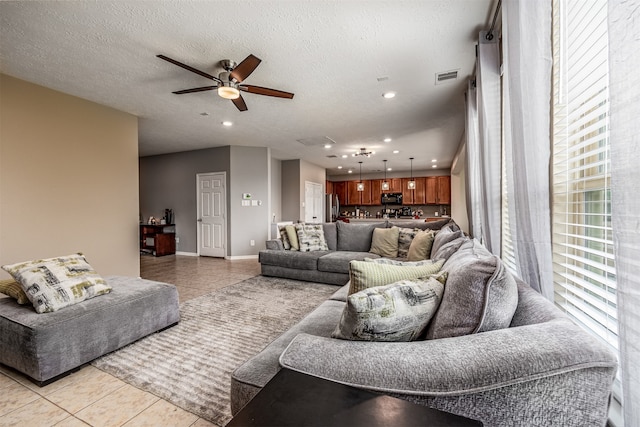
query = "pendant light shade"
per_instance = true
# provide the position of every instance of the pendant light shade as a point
(411, 185)
(360, 186)
(385, 183)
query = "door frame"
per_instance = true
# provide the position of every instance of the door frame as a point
(226, 210)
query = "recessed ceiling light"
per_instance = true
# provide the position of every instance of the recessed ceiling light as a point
(350, 171)
(227, 123)
(396, 151)
(387, 140)
(389, 95)
(344, 156)
(434, 160)
(327, 145)
(434, 166)
(339, 167)
(389, 169)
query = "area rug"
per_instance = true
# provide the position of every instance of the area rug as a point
(190, 364)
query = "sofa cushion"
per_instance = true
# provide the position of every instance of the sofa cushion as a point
(330, 235)
(384, 242)
(396, 312)
(292, 259)
(420, 247)
(449, 248)
(364, 274)
(356, 237)
(480, 295)
(405, 237)
(338, 262)
(421, 224)
(55, 283)
(311, 237)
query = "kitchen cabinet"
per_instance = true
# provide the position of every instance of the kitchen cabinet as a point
(355, 197)
(415, 196)
(376, 191)
(328, 189)
(340, 189)
(395, 185)
(438, 190)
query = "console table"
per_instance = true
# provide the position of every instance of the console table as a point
(295, 399)
(159, 240)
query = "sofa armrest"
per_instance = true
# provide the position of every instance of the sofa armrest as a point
(452, 366)
(275, 244)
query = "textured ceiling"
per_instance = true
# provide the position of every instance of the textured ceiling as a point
(338, 57)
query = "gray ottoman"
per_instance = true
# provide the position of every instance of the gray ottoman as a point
(48, 346)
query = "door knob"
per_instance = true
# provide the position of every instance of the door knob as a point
(199, 219)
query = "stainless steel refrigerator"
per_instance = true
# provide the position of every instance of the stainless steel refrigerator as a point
(332, 207)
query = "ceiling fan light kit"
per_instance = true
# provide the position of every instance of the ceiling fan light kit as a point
(228, 82)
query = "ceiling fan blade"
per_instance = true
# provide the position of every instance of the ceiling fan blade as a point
(239, 103)
(195, 89)
(187, 67)
(265, 91)
(245, 68)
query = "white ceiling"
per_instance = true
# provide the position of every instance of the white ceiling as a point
(331, 54)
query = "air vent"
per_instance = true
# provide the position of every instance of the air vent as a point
(446, 76)
(316, 141)
(332, 156)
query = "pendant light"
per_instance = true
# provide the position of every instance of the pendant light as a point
(360, 186)
(411, 185)
(385, 183)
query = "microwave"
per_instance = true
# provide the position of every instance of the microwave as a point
(391, 199)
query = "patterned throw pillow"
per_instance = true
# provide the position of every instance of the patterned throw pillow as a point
(311, 237)
(385, 242)
(421, 246)
(11, 288)
(405, 237)
(55, 283)
(397, 312)
(365, 275)
(284, 237)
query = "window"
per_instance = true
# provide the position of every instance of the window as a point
(583, 261)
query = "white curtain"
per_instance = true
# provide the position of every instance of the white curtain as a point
(624, 90)
(472, 160)
(527, 67)
(485, 155)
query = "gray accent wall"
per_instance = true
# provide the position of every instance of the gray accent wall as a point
(168, 181)
(294, 174)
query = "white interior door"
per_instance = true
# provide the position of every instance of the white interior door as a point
(212, 222)
(313, 202)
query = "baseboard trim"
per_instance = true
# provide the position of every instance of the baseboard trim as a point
(186, 253)
(237, 257)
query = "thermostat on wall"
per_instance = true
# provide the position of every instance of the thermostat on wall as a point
(246, 196)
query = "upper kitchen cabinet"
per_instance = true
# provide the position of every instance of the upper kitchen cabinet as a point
(438, 191)
(340, 189)
(417, 196)
(355, 197)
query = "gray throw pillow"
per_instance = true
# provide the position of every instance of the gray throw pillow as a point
(356, 237)
(396, 312)
(481, 295)
(443, 237)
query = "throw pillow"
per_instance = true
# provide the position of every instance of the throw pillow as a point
(443, 237)
(405, 237)
(292, 234)
(55, 283)
(420, 247)
(388, 261)
(397, 312)
(385, 242)
(356, 237)
(284, 237)
(11, 288)
(311, 237)
(365, 275)
(448, 249)
(481, 295)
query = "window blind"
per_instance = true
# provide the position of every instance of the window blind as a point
(583, 261)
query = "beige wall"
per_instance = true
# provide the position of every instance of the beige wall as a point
(68, 179)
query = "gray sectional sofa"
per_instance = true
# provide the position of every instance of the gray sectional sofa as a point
(540, 369)
(346, 242)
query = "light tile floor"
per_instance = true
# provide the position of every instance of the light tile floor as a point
(95, 398)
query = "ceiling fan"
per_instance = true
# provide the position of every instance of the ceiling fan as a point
(228, 82)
